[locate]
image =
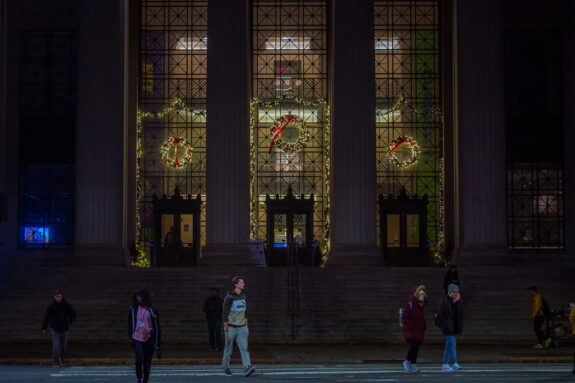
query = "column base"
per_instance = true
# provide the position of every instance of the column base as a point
(355, 255)
(226, 255)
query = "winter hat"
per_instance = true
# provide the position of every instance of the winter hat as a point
(452, 287)
(420, 290)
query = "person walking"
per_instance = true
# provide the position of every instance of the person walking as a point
(59, 315)
(213, 310)
(414, 326)
(450, 320)
(451, 277)
(236, 326)
(144, 333)
(538, 313)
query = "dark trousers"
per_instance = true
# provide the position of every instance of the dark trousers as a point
(537, 323)
(143, 352)
(215, 332)
(60, 345)
(413, 351)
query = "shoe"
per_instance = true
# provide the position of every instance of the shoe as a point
(56, 365)
(538, 345)
(62, 364)
(456, 367)
(228, 372)
(406, 365)
(249, 370)
(446, 368)
(414, 368)
(547, 342)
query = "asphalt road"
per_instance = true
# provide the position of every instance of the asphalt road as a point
(478, 373)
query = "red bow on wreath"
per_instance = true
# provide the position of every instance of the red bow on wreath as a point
(279, 128)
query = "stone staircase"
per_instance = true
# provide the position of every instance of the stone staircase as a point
(337, 304)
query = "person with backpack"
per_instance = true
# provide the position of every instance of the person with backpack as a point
(59, 315)
(449, 317)
(236, 326)
(539, 310)
(414, 326)
(213, 310)
(144, 333)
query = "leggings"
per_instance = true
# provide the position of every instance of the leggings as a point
(143, 352)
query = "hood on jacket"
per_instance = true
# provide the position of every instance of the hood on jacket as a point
(415, 291)
(146, 299)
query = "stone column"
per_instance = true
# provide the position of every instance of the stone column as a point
(481, 133)
(100, 126)
(353, 188)
(3, 141)
(227, 221)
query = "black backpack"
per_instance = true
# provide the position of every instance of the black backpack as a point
(545, 307)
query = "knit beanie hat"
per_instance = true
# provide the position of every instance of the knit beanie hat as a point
(451, 287)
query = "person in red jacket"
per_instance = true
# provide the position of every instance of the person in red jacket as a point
(413, 318)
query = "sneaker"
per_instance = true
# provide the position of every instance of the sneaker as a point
(547, 342)
(446, 368)
(56, 365)
(228, 372)
(456, 366)
(414, 368)
(249, 370)
(62, 364)
(538, 345)
(406, 365)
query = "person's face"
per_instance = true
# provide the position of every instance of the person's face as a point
(454, 294)
(532, 293)
(215, 293)
(58, 298)
(240, 284)
(421, 297)
(139, 298)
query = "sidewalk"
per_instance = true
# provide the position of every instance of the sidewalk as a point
(120, 354)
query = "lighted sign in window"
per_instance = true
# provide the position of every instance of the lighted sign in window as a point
(36, 234)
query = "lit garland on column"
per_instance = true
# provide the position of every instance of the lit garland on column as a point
(439, 255)
(177, 105)
(258, 103)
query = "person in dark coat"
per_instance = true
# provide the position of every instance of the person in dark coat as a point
(60, 315)
(213, 310)
(451, 277)
(414, 326)
(144, 333)
(450, 318)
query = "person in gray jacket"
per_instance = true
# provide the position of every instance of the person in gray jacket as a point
(236, 326)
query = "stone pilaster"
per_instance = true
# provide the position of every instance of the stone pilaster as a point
(481, 133)
(100, 125)
(353, 198)
(227, 210)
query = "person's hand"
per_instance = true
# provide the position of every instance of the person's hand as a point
(226, 326)
(246, 322)
(43, 331)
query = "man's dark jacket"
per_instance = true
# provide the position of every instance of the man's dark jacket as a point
(59, 316)
(213, 309)
(450, 315)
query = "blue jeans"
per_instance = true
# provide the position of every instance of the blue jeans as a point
(449, 355)
(60, 343)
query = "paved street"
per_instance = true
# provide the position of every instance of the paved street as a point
(476, 373)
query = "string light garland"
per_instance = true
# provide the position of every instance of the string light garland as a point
(255, 104)
(278, 128)
(413, 147)
(177, 105)
(172, 145)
